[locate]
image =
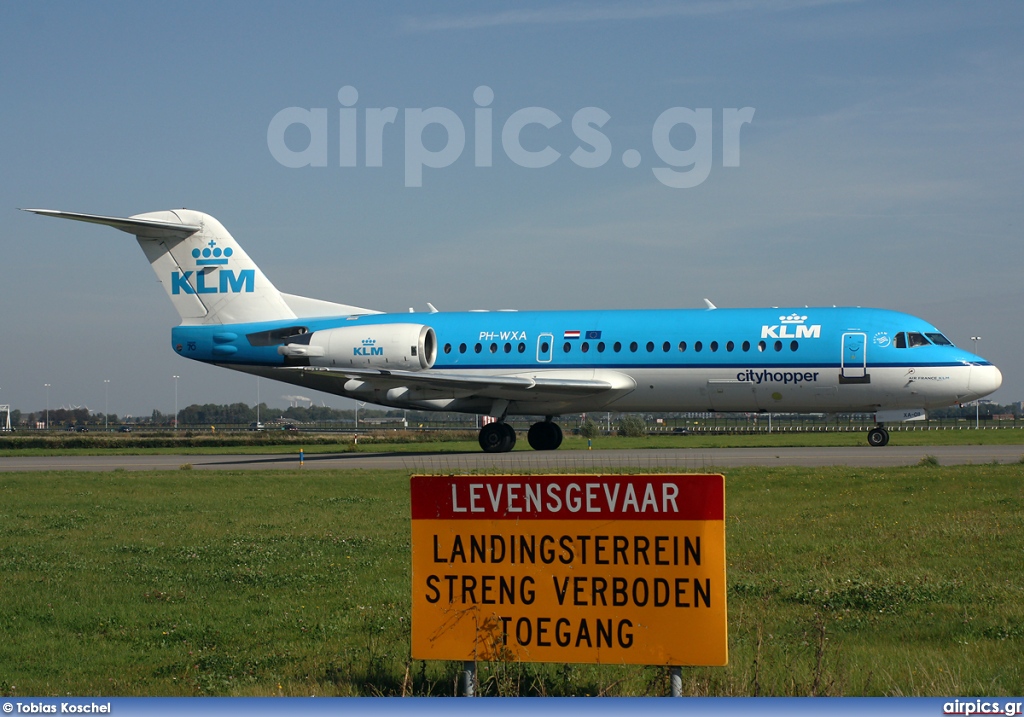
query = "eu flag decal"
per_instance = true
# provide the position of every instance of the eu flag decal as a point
(593, 335)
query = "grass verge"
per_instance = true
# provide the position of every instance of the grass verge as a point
(903, 581)
(453, 442)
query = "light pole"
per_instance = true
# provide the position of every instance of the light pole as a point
(175, 401)
(976, 339)
(106, 404)
(47, 405)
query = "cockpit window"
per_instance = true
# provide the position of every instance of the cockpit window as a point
(915, 339)
(939, 340)
(901, 340)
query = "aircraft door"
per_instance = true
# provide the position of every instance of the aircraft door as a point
(853, 366)
(545, 346)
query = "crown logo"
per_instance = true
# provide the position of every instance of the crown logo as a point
(793, 319)
(369, 342)
(212, 255)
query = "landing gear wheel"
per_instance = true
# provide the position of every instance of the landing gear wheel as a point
(878, 437)
(510, 436)
(497, 438)
(545, 436)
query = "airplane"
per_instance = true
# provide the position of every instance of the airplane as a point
(548, 363)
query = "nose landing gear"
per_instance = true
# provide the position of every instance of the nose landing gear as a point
(878, 436)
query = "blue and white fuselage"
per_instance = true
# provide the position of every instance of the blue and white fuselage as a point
(803, 359)
(549, 363)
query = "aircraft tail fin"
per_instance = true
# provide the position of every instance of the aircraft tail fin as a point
(207, 275)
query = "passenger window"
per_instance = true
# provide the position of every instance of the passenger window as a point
(666, 346)
(761, 345)
(746, 346)
(544, 347)
(698, 346)
(778, 346)
(584, 347)
(793, 346)
(650, 346)
(447, 348)
(567, 347)
(508, 348)
(462, 348)
(522, 348)
(714, 346)
(600, 347)
(730, 346)
(617, 347)
(682, 346)
(478, 348)
(494, 348)
(632, 346)
(915, 339)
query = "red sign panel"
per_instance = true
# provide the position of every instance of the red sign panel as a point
(603, 569)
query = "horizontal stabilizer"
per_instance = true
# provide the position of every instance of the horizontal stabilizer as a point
(148, 228)
(207, 275)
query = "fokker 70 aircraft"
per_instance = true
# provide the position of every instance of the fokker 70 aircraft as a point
(548, 363)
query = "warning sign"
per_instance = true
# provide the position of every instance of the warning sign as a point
(596, 569)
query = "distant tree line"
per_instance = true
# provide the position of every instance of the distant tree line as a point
(212, 414)
(984, 411)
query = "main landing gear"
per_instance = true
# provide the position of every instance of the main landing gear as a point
(545, 435)
(499, 437)
(878, 436)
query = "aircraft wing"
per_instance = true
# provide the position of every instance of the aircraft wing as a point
(456, 385)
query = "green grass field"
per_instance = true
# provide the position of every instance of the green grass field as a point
(200, 443)
(904, 581)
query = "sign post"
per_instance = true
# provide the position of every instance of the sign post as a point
(586, 569)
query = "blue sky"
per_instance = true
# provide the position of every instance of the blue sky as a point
(883, 166)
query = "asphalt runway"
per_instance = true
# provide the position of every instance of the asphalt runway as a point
(686, 459)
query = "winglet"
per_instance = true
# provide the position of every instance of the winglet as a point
(710, 305)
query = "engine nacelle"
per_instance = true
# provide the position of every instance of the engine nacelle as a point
(409, 347)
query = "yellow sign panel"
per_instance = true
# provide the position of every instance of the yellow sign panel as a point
(598, 569)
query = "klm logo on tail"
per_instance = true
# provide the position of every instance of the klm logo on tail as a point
(227, 282)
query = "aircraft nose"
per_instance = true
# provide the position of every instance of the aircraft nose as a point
(984, 380)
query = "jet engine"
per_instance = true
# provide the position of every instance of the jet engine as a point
(409, 347)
